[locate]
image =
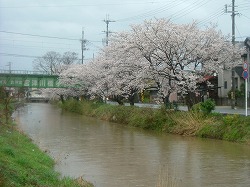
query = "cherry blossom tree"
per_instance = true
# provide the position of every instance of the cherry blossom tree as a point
(73, 80)
(178, 55)
(173, 57)
(97, 76)
(127, 70)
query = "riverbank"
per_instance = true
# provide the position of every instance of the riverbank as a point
(22, 163)
(234, 128)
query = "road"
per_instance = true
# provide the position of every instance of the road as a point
(219, 109)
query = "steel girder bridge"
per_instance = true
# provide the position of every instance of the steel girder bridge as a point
(29, 79)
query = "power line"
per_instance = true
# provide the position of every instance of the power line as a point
(44, 36)
(37, 35)
(41, 47)
(243, 4)
(245, 16)
(188, 9)
(170, 5)
(32, 41)
(153, 12)
(18, 55)
(27, 56)
(219, 12)
(238, 31)
(79, 5)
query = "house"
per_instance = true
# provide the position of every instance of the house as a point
(225, 79)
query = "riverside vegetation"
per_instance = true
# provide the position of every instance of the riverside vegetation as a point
(22, 163)
(198, 122)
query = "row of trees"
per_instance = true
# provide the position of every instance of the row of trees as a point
(173, 58)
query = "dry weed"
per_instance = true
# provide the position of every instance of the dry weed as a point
(188, 123)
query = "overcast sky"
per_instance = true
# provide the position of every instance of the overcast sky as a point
(30, 28)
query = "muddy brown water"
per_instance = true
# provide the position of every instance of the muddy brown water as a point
(110, 155)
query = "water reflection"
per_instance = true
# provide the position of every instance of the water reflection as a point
(110, 155)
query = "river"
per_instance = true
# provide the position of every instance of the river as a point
(110, 155)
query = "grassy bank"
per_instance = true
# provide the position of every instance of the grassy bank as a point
(23, 164)
(225, 127)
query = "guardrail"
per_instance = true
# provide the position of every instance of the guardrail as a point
(26, 72)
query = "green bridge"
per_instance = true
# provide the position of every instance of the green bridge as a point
(31, 79)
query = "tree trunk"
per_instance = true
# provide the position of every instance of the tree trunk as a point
(61, 98)
(190, 100)
(118, 99)
(131, 99)
(166, 101)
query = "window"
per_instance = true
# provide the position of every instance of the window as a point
(225, 85)
(236, 83)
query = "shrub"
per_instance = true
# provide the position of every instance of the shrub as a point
(196, 108)
(207, 106)
(73, 106)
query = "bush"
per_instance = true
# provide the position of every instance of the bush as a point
(207, 106)
(73, 106)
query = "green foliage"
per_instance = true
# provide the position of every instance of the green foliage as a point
(196, 108)
(207, 106)
(236, 127)
(23, 164)
(6, 106)
(214, 131)
(151, 119)
(229, 127)
(73, 106)
(238, 93)
(146, 96)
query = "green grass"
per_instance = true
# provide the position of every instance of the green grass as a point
(22, 163)
(193, 123)
(228, 127)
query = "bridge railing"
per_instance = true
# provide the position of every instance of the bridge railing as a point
(24, 72)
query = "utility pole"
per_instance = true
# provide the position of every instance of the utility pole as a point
(233, 42)
(107, 21)
(246, 71)
(83, 42)
(9, 64)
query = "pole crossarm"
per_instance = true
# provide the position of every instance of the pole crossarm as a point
(31, 79)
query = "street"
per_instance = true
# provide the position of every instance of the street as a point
(219, 109)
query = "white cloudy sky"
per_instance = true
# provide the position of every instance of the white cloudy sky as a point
(30, 28)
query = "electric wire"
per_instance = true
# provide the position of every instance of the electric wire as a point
(37, 35)
(28, 56)
(213, 16)
(79, 5)
(151, 13)
(43, 36)
(238, 31)
(191, 7)
(245, 16)
(36, 47)
(188, 9)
